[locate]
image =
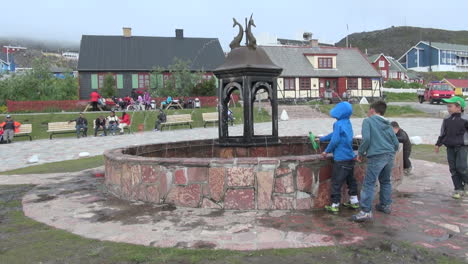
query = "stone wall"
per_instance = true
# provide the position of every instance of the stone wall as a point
(256, 183)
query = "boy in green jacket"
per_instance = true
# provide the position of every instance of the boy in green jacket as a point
(379, 144)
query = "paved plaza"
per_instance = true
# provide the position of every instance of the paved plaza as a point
(423, 214)
(60, 149)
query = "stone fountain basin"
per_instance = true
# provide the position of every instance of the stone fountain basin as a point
(200, 174)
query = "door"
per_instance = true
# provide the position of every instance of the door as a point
(330, 84)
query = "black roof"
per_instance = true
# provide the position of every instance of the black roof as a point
(113, 53)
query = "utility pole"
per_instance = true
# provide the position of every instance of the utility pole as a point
(430, 56)
(347, 34)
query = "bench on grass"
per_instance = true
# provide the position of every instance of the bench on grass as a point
(25, 130)
(209, 118)
(173, 120)
(56, 128)
(128, 128)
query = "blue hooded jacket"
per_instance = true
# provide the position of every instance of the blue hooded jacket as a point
(341, 139)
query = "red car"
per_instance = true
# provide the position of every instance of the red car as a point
(435, 92)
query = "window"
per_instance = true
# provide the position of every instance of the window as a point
(381, 63)
(143, 80)
(384, 73)
(289, 83)
(325, 63)
(304, 83)
(366, 84)
(102, 77)
(352, 83)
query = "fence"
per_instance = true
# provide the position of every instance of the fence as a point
(79, 105)
(400, 90)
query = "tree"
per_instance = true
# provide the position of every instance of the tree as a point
(108, 89)
(205, 88)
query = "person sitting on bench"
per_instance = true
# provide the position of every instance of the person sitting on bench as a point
(124, 122)
(9, 127)
(81, 123)
(161, 119)
(100, 123)
(112, 123)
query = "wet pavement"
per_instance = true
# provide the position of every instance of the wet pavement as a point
(60, 149)
(423, 214)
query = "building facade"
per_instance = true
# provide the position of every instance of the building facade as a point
(131, 59)
(308, 72)
(435, 56)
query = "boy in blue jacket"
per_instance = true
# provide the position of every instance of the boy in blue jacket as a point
(341, 145)
(379, 144)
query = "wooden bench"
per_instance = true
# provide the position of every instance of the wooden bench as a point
(172, 120)
(128, 128)
(56, 128)
(209, 118)
(25, 130)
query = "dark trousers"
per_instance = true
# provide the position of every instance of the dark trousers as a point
(406, 160)
(95, 106)
(158, 124)
(343, 171)
(457, 160)
(100, 127)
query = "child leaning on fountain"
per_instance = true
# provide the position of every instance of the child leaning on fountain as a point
(341, 145)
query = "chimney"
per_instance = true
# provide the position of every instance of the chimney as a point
(179, 33)
(314, 43)
(127, 32)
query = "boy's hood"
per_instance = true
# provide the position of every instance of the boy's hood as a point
(343, 110)
(381, 122)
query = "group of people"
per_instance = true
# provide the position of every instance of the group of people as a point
(380, 142)
(111, 124)
(140, 100)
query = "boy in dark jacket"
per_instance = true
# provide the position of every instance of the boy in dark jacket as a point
(341, 145)
(402, 137)
(454, 135)
(100, 123)
(161, 119)
(379, 144)
(81, 123)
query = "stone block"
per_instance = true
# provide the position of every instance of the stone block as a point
(209, 204)
(240, 177)
(265, 181)
(283, 202)
(180, 177)
(323, 196)
(284, 184)
(240, 199)
(216, 183)
(304, 179)
(197, 174)
(186, 196)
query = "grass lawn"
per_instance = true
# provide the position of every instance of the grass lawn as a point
(426, 152)
(148, 118)
(27, 241)
(392, 111)
(61, 166)
(401, 97)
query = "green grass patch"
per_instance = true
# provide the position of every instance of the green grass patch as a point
(426, 152)
(148, 118)
(401, 97)
(360, 111)
(60, 167)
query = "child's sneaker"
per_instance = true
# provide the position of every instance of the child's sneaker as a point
(333, 208)
(383, 208)
(362, 217)
(351, 205)
(457, 195)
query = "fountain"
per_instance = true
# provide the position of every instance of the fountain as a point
(248, 172)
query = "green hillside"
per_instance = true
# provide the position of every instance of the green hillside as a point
(395, 41)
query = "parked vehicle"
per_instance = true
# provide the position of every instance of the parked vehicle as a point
(435, 92)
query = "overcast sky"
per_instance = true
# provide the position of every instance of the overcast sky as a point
(68, 20)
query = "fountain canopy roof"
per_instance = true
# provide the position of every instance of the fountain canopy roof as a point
(245, 60)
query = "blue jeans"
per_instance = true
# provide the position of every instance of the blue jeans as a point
(112, 128)
(378, 167)
(79, 128)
